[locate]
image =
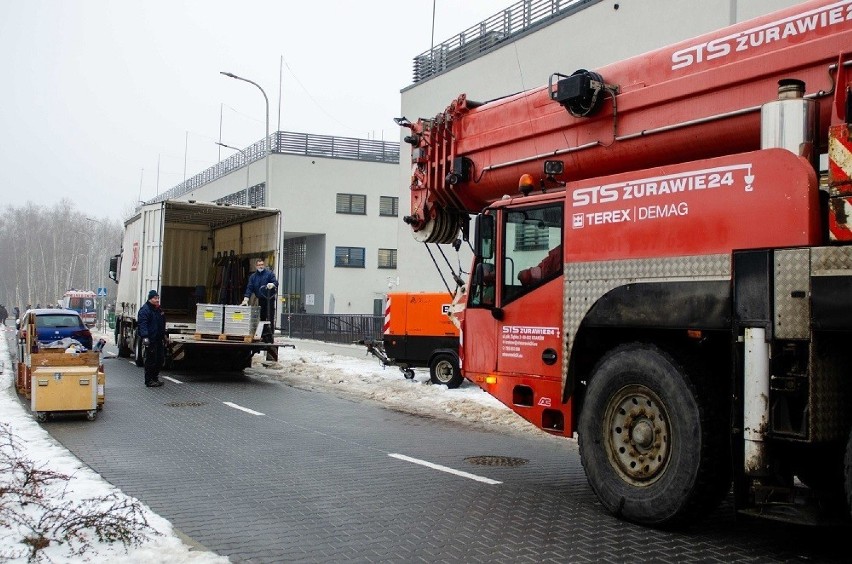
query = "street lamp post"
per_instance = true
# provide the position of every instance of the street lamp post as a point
(245, 157)
(268, 143)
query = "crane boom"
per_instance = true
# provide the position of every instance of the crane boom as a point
(696, 99)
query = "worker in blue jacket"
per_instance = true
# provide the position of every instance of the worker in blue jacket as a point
(152, 331)
(262, 283)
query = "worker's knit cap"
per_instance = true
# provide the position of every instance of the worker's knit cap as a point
(152, 294)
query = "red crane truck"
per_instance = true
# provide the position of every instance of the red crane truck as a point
(661, 267)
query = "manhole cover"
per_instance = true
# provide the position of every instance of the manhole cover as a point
(185, 404)
(496, 461)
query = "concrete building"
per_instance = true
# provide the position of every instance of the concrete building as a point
(338, 252)
(519, 48)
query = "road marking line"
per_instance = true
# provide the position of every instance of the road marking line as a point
(170, 379)
(247, 410)
(445, 469)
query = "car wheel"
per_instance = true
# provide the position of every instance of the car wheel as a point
(653, 450)
(138, 352)
(444, 370)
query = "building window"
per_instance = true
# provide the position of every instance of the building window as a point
(387, 258)
(352, 203)
(349, 257)
(389, 205)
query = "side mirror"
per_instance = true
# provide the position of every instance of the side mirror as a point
(484, 238)
(113, 268)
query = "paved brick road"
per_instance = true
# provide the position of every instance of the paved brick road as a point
(311, 480)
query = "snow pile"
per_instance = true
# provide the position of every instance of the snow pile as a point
(349, 370)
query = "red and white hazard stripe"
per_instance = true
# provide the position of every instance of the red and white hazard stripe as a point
(839, 156)
(386, 326)
(840, 183)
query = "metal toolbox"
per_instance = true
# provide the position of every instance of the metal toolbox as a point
(241, 320)
(209, 318)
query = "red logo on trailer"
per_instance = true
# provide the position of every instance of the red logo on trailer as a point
(134, 264)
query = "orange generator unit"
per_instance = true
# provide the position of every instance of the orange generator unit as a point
(418, 332)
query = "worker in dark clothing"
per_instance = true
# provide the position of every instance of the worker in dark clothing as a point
(262, 283)
(152, 331)
(3, 315)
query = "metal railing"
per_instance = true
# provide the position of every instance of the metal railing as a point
(515, 20)
(290, 143)
(331, 328)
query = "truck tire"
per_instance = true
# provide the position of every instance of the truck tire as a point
(653, 449)
(444, 370)
(138, 352)
(123, 350)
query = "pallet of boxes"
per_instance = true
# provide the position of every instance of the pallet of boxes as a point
(235, 323)
(59, 379)
(232, 330)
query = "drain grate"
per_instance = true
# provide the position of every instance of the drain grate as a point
(185, 404)
(507, 461)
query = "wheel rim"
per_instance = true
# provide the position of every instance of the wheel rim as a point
(444, 371)
(637, 435)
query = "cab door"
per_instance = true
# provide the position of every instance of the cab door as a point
(531, 291)
(479, 328)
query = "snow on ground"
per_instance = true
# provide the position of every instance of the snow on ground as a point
(343, 369)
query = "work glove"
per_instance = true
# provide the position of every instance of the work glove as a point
(270, 286)
(146, 342)
(245, 302)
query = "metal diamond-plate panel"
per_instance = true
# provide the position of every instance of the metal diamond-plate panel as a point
(586, 282)
(829, 394)
(792, 294)
(831, 261)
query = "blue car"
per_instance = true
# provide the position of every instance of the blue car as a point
(54, 325)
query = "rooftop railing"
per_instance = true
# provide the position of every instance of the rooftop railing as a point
(290, 143)
(515, 20)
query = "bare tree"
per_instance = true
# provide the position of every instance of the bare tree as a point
(47, 250)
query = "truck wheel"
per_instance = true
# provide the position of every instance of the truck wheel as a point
(653, 451)
(138, 352)
(123, 350)
(444, 369)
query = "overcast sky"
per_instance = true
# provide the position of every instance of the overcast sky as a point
(95, 91)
